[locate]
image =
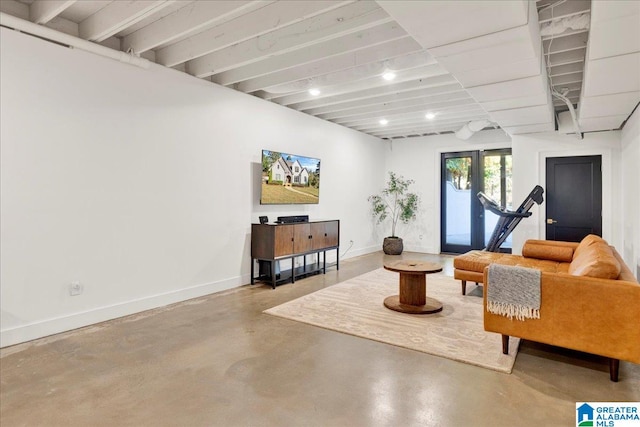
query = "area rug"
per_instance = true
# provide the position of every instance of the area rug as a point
(355, 307)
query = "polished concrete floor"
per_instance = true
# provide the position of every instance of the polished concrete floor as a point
(218, 360)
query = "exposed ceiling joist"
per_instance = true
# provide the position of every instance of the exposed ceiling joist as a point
(304, 55)
(370, 54)
(271, 17)
(422, 67)
(460, 60)
(186, 21)
(353, 19)
(43, 11)
(416, 93)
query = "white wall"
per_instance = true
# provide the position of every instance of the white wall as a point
(630, 192)
(529, 160)
(419, 159)
(116, 177)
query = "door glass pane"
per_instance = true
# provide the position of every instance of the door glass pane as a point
(497, 185)
(458, 200)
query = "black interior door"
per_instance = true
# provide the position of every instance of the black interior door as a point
(573, 197)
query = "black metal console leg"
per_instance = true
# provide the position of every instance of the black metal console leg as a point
(324, 261)
(293, 269)
(252, 263)
(273, 274)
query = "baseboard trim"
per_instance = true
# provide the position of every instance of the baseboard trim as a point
(47, 327)
(352, 253)
(421, 249)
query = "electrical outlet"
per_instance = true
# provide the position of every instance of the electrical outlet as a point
(351, 242)
(75, 288)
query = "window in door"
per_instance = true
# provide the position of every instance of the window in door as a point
(497, 172)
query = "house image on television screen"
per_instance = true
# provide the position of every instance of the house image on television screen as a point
(289, 179)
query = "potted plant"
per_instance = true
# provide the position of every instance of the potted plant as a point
(397, 203)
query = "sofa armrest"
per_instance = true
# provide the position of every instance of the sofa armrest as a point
(549, 250)
(597, 316)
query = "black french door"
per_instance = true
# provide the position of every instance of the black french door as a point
(460, 209)
(464, 225)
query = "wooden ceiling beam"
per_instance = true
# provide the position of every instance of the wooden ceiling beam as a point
(43, 11)
(269, 18)
(335, 24)
(188, 20)
(385, 106)
(388, 88)
(377, 53)
(404, 121)
(414, 93)
(374, 115)
(117, 16)
(342, 84)
(328, 49)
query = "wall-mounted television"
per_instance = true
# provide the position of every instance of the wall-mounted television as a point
(289, 179)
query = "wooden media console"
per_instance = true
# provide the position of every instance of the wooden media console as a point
(271, 243)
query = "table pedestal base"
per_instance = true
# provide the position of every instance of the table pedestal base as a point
(431, 306)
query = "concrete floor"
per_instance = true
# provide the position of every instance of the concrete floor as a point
(218, 360)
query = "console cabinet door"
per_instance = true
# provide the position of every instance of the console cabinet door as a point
(332, 236)
(325, 234)
(302, 241)
(284, 240)
(318, 235)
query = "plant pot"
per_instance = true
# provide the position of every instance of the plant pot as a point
(392, 245)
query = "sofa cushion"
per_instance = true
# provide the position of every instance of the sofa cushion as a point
(589, 240)
(478, 260)
(594, 259)
(531, 249)
(475, 260)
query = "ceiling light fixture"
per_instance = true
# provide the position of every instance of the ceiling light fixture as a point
(314, 92)
(383, 122)
(389, 75)
(430, 116)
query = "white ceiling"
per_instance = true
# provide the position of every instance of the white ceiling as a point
(463, 61)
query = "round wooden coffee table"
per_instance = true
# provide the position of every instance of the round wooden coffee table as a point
(413, 287)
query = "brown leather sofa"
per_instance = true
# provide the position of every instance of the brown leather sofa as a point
(590, 300)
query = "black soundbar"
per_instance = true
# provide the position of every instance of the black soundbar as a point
(292, 219)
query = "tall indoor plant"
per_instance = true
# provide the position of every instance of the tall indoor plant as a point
(397, 203)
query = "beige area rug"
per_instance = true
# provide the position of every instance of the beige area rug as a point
(355, 307)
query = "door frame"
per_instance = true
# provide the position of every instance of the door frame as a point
(607, 189)
(477, 210)
(596, 162)
(476, 237)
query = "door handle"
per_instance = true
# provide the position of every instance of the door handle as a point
(551, 221)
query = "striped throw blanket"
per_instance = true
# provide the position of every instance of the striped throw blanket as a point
(513, 292)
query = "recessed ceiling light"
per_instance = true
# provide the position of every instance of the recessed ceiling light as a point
(384, 121)
(430, 116)
(389, 75)
(314, 92)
